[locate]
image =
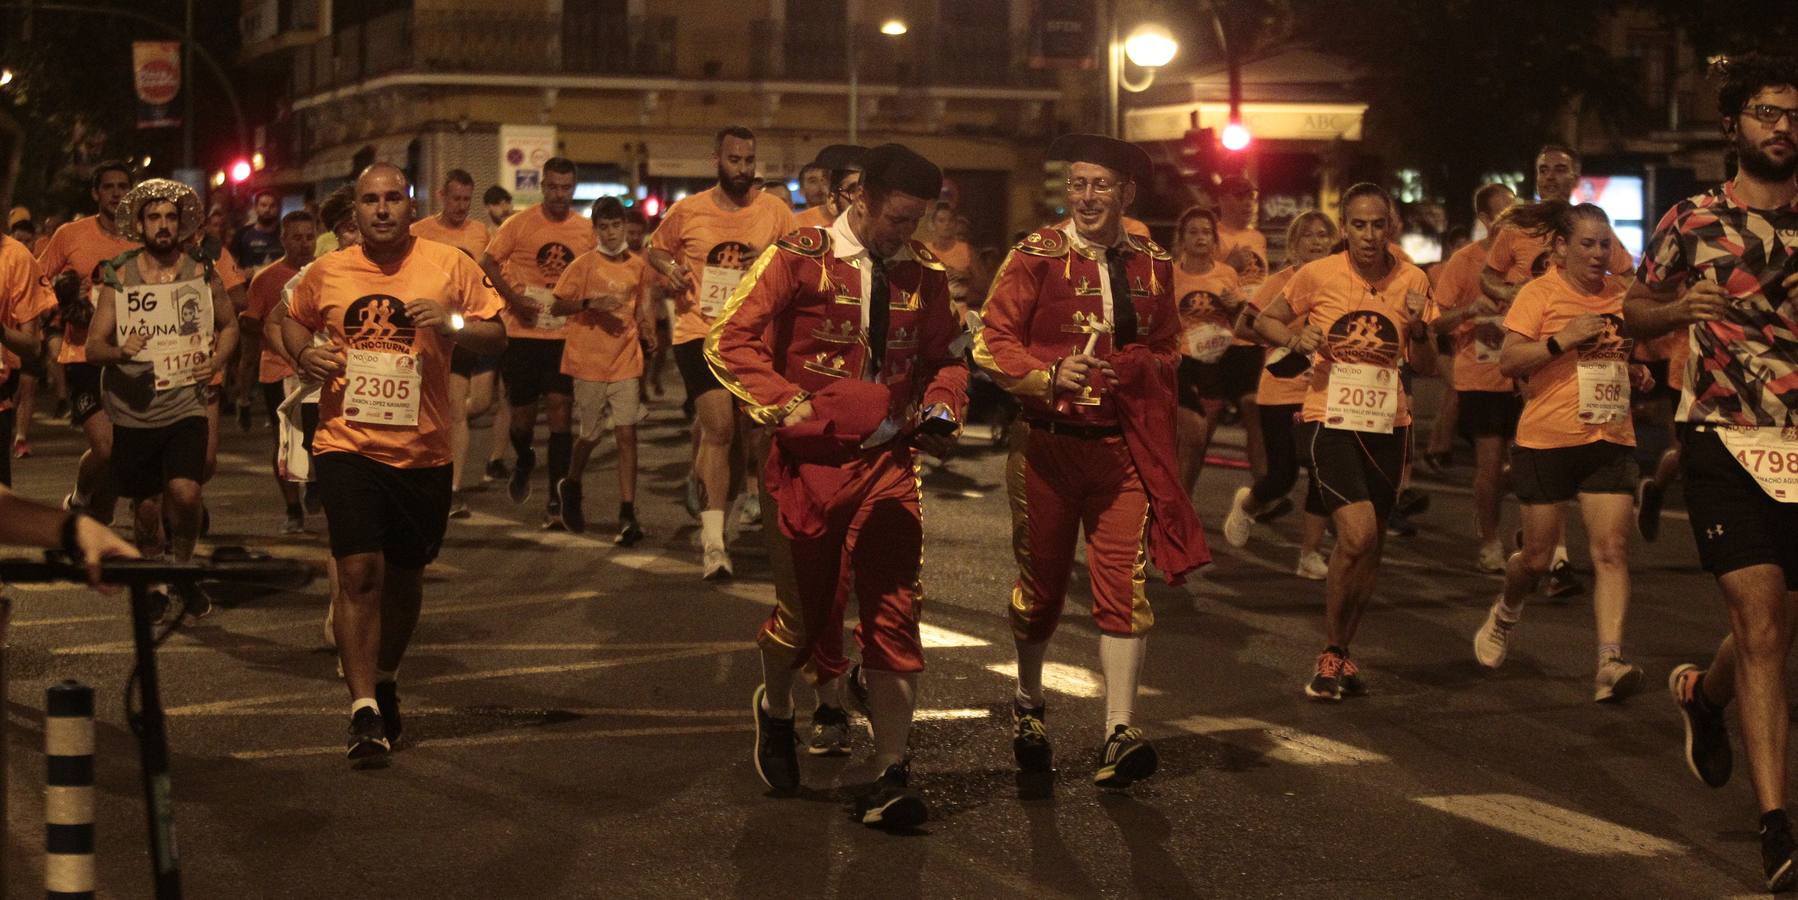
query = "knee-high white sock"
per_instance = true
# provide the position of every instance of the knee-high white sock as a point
(891, 698)
(1030, 673)
(777, 677)
(1120, 658)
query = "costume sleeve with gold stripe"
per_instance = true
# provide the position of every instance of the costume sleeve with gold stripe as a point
(1164, 334)
(737, 346)
(942, 371)
(998, 346)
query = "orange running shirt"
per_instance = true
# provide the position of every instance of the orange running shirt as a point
(1228, 239)
(1551, 394)
(361, 306)
(1459, 287)
(1203, 312)
(265, 293)
(602, 346)
(79, 247)
(1521, 256)
(533, 252)
(813, 216)
(701, 235)
(1273, 390)
(1361, 322)
(472, 238)
(958, 258)
(24, 296)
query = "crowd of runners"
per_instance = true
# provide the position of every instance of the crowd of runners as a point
(825, 351)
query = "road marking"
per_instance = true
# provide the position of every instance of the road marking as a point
(1065, 679)
(64, 620)
(623, 712)
(938, 637)
(1548, 824)
(1290, 744)
(534, 736)
(284, 649)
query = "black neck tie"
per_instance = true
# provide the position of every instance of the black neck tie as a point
(1123, 309)
(877, 313)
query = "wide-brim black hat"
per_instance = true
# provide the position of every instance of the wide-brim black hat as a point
(1118, 156)
(841, 157)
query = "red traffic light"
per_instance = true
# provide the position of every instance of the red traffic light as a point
(240, 171)
(1236, 137)
(652, 206)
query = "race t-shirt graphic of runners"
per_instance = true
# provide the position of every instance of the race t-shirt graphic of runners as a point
(381, 384)
(1205, 325)
(1363, 336)
(1609, 344)
(552, 258)
(725, 264)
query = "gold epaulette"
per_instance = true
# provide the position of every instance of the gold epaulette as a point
(811, 241)
(926, 258)
(1049, 242)
(1144, 245)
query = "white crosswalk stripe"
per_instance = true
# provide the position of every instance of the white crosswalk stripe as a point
(1552, 825)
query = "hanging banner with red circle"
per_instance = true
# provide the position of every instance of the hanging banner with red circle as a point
(156, 71)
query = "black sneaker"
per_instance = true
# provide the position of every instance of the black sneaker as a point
(1411, 502)
(195, 604)
(1562, 583)
(387, 697)
(1776, 852)
(830, 731)
(497, 471)
(776, 754)
(519, 487)
(1399, 525)
(1707, 730)
(1125, 759)
(1649, 497)
(1326, 681)
(161, 608)
(629, 533)
(368, 737)
(892, 803)
(1030, 740)
(1353, 685)
(569, 494)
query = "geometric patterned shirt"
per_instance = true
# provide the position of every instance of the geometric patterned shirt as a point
(1743, 367)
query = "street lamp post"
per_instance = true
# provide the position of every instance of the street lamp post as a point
(890, 28)
(1149, 46)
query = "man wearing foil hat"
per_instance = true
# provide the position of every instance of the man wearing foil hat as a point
(797, 334)
(1071, 305)
(160, 337)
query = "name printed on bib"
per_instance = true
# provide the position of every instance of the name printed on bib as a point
(1362, 397)
(1603, 391)
(381, 388)
(1770, 455)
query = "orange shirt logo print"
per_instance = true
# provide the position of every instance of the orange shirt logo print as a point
(381, 383)
(1363, 336)
(731, 255)
(552, 259)
(1609, 344)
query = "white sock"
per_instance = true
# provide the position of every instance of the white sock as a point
(368, 702)
(1030, 673)
(1560, 556)
(1120, 658)
(777, 678)
(711, 528)
(891, 698)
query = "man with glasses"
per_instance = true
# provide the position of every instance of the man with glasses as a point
(1077, 316)
(842, 165)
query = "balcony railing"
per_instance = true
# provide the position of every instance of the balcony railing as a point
(934, 54)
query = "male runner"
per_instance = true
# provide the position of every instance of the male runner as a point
(1722, 267)
(25, 298)
(1074, 309)
(704, 246)
(840, 165)
(471, 377)
(392, 309)
(161, 329)
(527, 256)
(499, 204)
(259, 242)
(862, 304)
(299, 234)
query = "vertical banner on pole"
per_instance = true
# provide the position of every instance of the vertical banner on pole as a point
(156, 73)
(69, 791)
(523, 149)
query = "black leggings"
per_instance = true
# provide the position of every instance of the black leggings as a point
(1281, 446)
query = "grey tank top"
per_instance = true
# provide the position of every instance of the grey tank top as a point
(129, 388)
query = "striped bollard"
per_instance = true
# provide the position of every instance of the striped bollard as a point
(69, 792)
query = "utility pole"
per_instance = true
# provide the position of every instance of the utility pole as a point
(187, 89)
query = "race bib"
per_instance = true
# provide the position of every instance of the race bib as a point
(544, 298)
(1768, 454)
(1603, 391)
(176, 321)
(1362, 397)
(1207, 341)
(381, 388)
(715, 287)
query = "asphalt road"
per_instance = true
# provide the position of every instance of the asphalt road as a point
(578, 725)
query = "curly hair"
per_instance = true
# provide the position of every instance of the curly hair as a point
(1739, 78)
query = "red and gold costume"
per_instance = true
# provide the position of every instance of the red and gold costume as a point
(796, 323)
(1070, 466)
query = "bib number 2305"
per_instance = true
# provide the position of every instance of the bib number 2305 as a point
(381, 388)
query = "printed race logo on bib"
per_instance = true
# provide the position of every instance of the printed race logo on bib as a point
(1363, 390)
(1603, 371)
(724, 268)
(176, 322)
(382, 384)
(1207, 326)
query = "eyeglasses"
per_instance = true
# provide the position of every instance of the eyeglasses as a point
(1768, 114)
(1098, 186)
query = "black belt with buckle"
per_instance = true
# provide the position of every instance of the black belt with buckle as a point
(1074, 429)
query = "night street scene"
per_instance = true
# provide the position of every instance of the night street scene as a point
(898, 448)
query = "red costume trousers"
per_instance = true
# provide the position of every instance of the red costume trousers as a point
(1060, 484)
(872, 545)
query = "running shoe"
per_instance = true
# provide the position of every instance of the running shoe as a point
(160, 606)
(1411, 502)
(1492, 559)
(717, 564)
(1649, 497)
(1615, 680)
(1399, 525)
(496, 471)
(21, 448)
(569, 493)
(629, 533)
(1707, 729)
(1238, 522)
(892, 803)
(1326, 681)
(749, 515)
(1030, 740)
(459, 509)
(1436, 464)
(195, 603)
(1562, 583)
(295, 524)
(830, 731)
(1353, 685)
(387, 697)
(1776, 852)
(776, 759)
(1493, 641)
(368, 737)
(1312, 567)
(518, 487)
(1125, 759)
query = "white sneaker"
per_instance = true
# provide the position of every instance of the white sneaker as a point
(1492, 558)
(1492, 641)
(717, 564)
(1313, 567)
(1238, 522)
(749, 514)
(1615, 680)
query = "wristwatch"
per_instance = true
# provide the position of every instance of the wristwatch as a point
(1554, 346)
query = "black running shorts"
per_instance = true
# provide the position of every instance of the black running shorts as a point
(1354, 466)
(532, 368)
(371, 507)
(145, 460)
(1734, 522)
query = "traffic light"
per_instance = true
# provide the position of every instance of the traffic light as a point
(1236, 137)
(240, 171)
